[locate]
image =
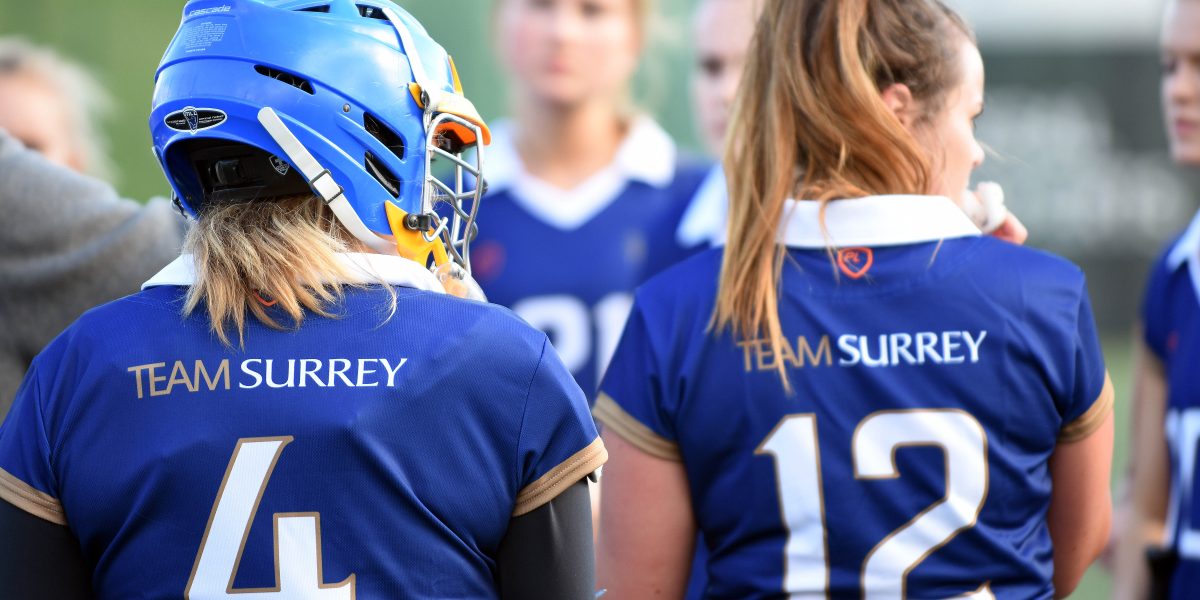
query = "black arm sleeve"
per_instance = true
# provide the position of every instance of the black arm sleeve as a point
(39, 559)
(547, 553)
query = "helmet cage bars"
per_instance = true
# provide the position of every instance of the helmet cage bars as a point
(459, 229)
(441, 129)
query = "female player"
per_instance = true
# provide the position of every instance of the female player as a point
(884, 402)
(721, 32)
(1166, 423)
(585, 193)
(297, 408)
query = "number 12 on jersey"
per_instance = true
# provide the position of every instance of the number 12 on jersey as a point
(793, 444)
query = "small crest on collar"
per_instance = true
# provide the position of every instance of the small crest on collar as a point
(855, 262)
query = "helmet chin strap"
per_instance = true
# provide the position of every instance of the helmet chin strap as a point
(320, 179)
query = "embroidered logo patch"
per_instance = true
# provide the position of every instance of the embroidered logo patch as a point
(855, 262)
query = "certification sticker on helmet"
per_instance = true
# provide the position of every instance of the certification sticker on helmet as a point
(192, 119)
(279, 165)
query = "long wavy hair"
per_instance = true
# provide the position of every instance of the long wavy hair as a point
(810, 122)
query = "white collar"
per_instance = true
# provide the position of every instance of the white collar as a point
(874, 221)
(392, 270)
(1187, 251)
(704, 221)
(647, 154)
(1187, 247)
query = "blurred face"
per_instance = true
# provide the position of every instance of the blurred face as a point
(1181, 80)
(949, 135)
(33, 113)
(723, 30)
(565, 52)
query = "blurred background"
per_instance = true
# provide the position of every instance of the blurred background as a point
(1073, 121)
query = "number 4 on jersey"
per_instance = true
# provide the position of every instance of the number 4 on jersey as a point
(297, 536)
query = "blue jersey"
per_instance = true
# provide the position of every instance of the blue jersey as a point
(357, 457)
(934, 373)
(568, 261)
(1171, 320)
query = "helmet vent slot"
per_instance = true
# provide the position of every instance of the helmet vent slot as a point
(384, 134)
(382, 174)
(297, 82)
(317, 9)
(371, 12)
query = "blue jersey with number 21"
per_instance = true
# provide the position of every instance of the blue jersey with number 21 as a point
(1171, 319)
(356, 457)
(934, 371)
(567, 261)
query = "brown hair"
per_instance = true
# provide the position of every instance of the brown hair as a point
(280, 253)
(809, 121)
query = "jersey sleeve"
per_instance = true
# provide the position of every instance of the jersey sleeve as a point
(1089, 400)
(631, 402)
(558, 442)
(1154, 314)
(27, 480)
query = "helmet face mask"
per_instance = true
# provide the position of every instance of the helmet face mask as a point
(352, 101)
(464, 191)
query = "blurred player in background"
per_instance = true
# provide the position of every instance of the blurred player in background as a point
(69, 242)
(722, 30)
(579, 180)
(1163, 509)
(887, 404)
(721, 33)
(297, 406)
(53, 106)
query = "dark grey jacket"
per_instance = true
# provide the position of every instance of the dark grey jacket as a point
(67, 243)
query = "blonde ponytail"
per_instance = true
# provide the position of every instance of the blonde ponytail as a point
(280, 253)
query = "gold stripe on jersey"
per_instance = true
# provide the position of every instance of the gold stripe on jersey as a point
(1091, 420)
(608, 412)
(25, 497)
(557, 480)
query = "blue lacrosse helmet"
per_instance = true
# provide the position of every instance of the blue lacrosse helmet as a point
(349, 100)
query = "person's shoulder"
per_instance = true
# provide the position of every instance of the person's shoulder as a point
(1030, 259)
(111, 330)
(494, 350)
(477, 324)
(1027, 277)
(689, 285)
(143, 310)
